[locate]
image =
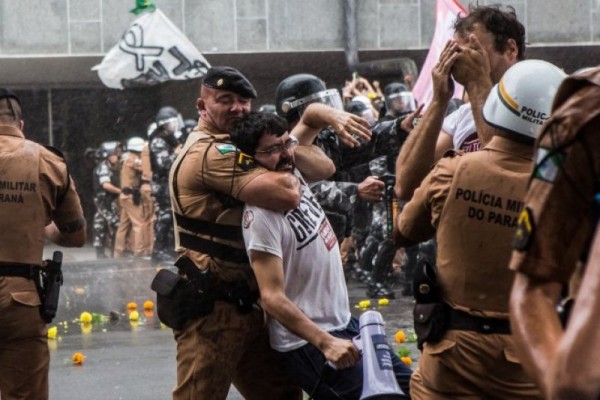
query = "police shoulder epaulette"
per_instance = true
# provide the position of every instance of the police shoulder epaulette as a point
(59, 153)
(453, 153)
(55, 151)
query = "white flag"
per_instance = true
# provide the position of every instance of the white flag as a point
(152, 50)
(446, 12)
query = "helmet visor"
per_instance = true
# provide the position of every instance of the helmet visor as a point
(330, 97)
(401, 103)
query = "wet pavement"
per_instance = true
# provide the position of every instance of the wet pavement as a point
(135, 360)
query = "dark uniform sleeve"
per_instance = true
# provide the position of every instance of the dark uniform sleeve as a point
(62, 201)
(556, 224)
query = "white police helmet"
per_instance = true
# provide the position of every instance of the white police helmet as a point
(522, 100)
(135, 144)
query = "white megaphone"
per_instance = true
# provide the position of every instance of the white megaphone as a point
(379, 381)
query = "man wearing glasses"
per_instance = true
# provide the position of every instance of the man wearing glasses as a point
(224, 339)
(296, 259)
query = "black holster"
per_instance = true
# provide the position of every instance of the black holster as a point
(49, 281)
(182, 298)
(136, 195)
(179, 298)
(429, 310)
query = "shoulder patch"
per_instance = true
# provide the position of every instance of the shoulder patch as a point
(547, 164)
(525, 230)
(244, 160)
(226, 148)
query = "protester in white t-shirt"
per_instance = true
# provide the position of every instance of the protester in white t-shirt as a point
(296, 260)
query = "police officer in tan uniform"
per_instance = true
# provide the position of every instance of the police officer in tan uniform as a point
(555, 229)
(147, 201)
(210, 180)
(471, 204)
(131, 222)
(38, 201)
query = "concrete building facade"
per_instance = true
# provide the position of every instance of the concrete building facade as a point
(47, 50)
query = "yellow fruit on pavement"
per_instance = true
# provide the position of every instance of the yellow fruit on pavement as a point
(52, 331)
(134, 316)
(85, 317)
(78, 359)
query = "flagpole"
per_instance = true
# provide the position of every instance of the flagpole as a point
(50, 131)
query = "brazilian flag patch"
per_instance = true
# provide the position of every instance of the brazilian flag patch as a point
(245, 161)
(547, 164)
(525, 230)
(226, 148)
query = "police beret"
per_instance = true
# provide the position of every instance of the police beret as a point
(228, 78)
(6, 93)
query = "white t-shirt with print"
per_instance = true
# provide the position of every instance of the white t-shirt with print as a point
(460, 125)
(313, 273)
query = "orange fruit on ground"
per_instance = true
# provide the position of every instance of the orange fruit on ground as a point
(148, 305)
(400, 337)
(78, 359)
(407, 360)
(131, 306)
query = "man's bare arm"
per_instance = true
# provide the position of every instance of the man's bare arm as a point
(313, 163)
(575, 372)
(535, 324)
(72, 234)
(278, 191)
(417, 154)
(318, 116)
(268, 269)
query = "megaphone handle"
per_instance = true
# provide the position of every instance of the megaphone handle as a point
(357, 342)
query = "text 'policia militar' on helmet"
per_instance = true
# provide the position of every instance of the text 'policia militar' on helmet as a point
(522, 100)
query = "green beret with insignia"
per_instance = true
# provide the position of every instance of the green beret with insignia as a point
(230, 79)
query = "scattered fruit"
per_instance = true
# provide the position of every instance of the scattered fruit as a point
(148, 305)
(78, 359)
(85, 317)
(52, 331)
(400, 337)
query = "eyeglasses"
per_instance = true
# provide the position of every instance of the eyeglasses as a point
(289, 145)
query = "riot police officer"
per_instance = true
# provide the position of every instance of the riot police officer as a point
(399, 101)
(338, 195)
(38, 201)
(107, 190)
(163, 148)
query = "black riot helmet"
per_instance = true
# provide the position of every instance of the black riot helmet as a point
(169, 119)
(398, 99)
(296, 92)
(359, 108)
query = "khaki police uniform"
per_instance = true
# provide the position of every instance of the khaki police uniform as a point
(473, 201)
(560, 212)
(131, 225)
(225, 346)
(35, 189)
(147, 201)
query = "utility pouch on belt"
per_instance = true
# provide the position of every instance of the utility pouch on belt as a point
(179, 299)
(48, 285)
(429, 316)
